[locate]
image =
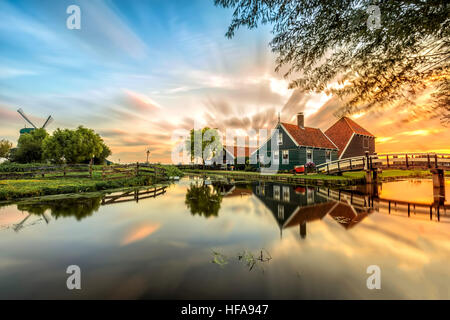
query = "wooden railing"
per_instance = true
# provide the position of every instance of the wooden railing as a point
(387, 161)
(134, 195)
(132, 170)
(364, 201)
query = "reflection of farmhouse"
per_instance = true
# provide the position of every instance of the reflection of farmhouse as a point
(295, 144)
(232, 190)
(292, 206)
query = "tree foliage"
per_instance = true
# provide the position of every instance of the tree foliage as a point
(203, 144)
(5, 147)
(203, 200)
(75, 146)
(29, 147)
(328, 46)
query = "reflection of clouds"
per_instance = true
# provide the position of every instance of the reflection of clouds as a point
(139, 233)
(330, 262)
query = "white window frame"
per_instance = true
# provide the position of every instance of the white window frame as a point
(283, 153)
(286, 194)
(310, 195)
(280, 138)
(328, 159)
(276, 192)
(312, 155)
(366, 143)
(276, 156)
(261, 158)
(280, 212)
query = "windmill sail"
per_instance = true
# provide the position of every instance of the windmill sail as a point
(20, 111)
(47, 122)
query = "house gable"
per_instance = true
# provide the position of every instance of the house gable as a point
(342, 132)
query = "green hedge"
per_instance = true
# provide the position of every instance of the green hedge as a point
(20, 167)
(36, 189)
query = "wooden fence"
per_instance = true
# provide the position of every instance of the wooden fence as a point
(133, 170)
(134, 195)
(88, 171)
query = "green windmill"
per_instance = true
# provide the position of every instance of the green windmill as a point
(28, 130)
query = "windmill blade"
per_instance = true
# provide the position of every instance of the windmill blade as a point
(19, 226)
(20, 111)
(47, 122)
(47, 219)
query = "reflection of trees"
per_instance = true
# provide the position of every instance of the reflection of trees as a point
(78, 208)
(203, 200)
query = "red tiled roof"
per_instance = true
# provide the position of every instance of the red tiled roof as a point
(341, 132)
(309, 137)
(309, 213)
(344, 214)
(247, 151)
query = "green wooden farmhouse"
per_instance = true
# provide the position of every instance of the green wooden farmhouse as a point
(297, 145)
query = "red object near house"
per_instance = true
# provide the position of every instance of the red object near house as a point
(299, 169)
(300, 190)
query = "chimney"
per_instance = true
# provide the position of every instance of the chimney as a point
(301, 120)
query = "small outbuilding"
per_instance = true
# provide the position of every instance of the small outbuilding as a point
(351, 139)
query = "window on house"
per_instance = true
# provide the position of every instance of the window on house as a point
(261, 158)
(280, 212)
(276, 192)
(276, 156)
(309, 155)
(286, 197)
(365, 142)
(310, 195)
(280, 138)
(285, 156)
(328, 155)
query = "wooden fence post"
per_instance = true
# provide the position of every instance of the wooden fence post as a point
(406, 159)
(90, 168)
(387, 160)
(428, 159)
(65, 168)
(137, 168)
(435, 161)
(367, 157)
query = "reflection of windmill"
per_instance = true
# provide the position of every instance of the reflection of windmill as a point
(28, 130)
(19, 226)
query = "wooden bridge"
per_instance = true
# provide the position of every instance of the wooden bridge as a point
(404, 161)
(368, 202)
(372, 164)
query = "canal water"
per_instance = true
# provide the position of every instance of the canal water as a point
(202, 239)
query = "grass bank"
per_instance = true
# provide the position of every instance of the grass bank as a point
(346, 178)
(24, 188)
(16, 189)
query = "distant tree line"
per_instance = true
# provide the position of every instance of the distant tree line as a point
(63, 146)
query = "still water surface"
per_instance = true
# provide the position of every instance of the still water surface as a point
(203, 239)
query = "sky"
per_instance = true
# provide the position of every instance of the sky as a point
(138, 70)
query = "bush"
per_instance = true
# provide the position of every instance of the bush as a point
(310, 167)
(19, 167)
(172, 171)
